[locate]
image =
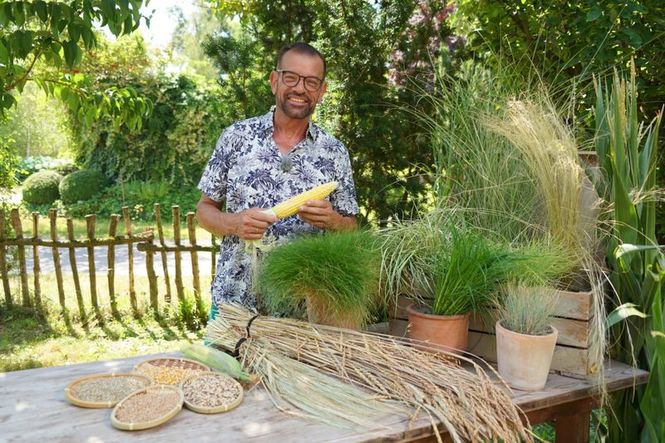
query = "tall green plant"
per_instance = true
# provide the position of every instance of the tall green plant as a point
(466, 274)
(627, 155)
(338, 270)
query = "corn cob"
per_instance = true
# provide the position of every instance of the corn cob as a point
(291, 206)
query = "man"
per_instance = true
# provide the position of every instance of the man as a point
(264, 160)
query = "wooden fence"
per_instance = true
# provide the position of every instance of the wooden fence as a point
(145, 242)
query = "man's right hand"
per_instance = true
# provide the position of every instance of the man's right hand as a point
(252, 223)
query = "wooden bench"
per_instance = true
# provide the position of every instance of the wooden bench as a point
(33, 408)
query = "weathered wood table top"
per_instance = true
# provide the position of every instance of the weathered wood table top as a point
(33, 408)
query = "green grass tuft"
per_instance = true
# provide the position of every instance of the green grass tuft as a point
(338, 270)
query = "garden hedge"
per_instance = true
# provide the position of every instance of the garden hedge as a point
(42, 188)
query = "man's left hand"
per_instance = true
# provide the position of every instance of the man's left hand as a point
(321, 214)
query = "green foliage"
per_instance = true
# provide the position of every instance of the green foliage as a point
(568, 41)
(527, 310)
(627, 155)
(569, 38)
(140, 197)
(8, 164)
(173, 144)
(466, 273)
(81, 185)
(38, 124)
(42, 188)
(337, 270)
(29, 165)
(39, 40)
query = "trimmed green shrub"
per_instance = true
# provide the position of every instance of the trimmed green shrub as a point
(81, 185)
(42, 188)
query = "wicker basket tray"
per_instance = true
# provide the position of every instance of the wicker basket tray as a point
(171, 405)
(213, 409)
(103, 381)
(182, 367)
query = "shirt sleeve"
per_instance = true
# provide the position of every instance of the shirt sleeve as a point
(344, 197)
(213, 182)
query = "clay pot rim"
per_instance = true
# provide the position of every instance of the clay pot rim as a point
(507, 331)
(413, 309)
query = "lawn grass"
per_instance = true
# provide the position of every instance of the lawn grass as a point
(30, 339)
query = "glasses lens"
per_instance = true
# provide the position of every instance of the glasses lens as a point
(290, 79)
(312, 84)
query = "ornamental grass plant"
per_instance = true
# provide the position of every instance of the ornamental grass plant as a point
(526, 309)
(453, 269)
(339, 271)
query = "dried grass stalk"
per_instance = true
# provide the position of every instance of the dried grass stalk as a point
(464, 399)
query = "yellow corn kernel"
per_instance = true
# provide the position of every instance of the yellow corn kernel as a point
(290, 207)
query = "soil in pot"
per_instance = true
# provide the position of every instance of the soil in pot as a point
(449, 331)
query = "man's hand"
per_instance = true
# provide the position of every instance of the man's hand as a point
(321, 214)
(252, 223)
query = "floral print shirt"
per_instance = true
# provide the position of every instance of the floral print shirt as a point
(246, 170)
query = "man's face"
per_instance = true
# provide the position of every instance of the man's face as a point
(297, 102)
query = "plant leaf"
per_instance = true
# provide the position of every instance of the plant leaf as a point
(623, 312)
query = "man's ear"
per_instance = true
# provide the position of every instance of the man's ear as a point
(274, 78)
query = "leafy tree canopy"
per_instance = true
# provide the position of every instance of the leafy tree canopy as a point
(45, 42)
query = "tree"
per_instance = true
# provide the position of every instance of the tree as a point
(45, 41)
(362, 106)
(37, 125)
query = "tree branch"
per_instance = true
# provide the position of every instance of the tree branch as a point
(11, 86)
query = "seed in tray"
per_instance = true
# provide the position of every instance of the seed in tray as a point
(211, 390)
(147, 406)
(166, 375)
(107, 389)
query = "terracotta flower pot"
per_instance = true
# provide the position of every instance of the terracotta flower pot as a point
(450, 331)
(524, 360)
(322, 315)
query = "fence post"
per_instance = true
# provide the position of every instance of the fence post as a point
(191, 230)
(3, 261)
(72, 265)
(53, 215)
(130, 258)
(36, 268)
(178, 265)
(90, 227)
(113, 227)
(152, 279)
(18, 229)
(165, 263)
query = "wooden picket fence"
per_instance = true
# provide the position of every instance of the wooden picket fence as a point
(145, 242)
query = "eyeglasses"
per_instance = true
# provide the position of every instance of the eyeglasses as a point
(290, 78)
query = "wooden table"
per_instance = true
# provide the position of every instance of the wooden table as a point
(33, 408)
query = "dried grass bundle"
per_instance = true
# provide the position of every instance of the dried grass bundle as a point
(465, 399)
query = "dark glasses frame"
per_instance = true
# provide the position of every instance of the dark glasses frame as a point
(304, 79)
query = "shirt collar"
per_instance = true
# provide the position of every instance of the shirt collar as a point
(268, 126)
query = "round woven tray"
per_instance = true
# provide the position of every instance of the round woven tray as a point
(214, 409)
(145, 368)
(71, 389)
(139, 425)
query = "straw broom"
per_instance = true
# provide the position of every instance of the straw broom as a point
(465, 400)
